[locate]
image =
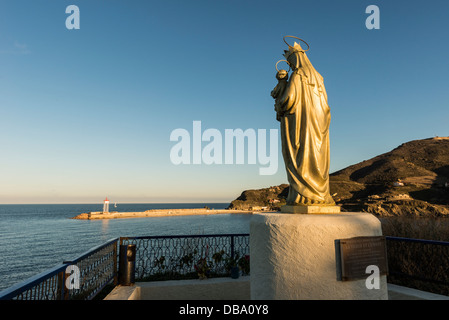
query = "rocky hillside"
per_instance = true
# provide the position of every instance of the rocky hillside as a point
(270, 198)
(412, 179)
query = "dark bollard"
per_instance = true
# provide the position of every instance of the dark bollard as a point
(127, 264)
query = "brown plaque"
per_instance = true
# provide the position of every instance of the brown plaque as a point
(356, 254)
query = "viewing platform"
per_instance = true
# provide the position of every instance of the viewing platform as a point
(202, 267)
(227, 289)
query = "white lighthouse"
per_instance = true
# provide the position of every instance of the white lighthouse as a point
(106, 205)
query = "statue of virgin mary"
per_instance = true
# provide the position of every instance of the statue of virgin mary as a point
(304, 116)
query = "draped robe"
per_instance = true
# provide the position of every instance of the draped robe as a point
(305, 119)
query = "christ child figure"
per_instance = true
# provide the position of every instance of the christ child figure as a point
(282, 77)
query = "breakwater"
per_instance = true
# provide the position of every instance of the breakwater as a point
(155, 213)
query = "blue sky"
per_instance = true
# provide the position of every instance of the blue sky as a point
(88, 113)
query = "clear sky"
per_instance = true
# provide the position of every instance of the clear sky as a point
(88, 113)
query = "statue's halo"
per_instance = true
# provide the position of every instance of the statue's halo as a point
(308, 47)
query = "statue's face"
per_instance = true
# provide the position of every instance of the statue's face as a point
(293, 61)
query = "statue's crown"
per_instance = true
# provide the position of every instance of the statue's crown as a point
(291, 49)
(296, 46)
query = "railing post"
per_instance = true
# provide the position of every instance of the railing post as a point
(232, 247)
(127, 262)
(115, 264)
(62, 293)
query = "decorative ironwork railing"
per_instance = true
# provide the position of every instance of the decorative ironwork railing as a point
(97, 267)
(189, 256)
(92, 271)
(422, 264)
(48, 285)
(193, 256)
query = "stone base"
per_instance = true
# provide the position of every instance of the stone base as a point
(310, 209)
(293, 256)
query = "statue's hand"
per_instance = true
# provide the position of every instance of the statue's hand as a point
(278, 107)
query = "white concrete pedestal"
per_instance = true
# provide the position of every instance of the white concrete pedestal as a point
(293, 256)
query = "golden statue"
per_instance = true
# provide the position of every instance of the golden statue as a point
(304, 114)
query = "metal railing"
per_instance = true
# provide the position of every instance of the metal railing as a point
(193, 256)
(189, 256)
(48, 285)
(423, 264)
(94, 269)
(97, 267)
(160, 257)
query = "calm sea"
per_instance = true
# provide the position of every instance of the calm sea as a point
(34, 238)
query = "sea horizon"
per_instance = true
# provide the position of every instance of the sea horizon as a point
(93, 203)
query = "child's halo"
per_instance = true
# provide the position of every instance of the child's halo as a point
(281, 61)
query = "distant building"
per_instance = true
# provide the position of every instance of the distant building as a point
(403, 196)
(258, 208)
(398, 183)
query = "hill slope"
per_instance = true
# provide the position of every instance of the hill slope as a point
(409, 180)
